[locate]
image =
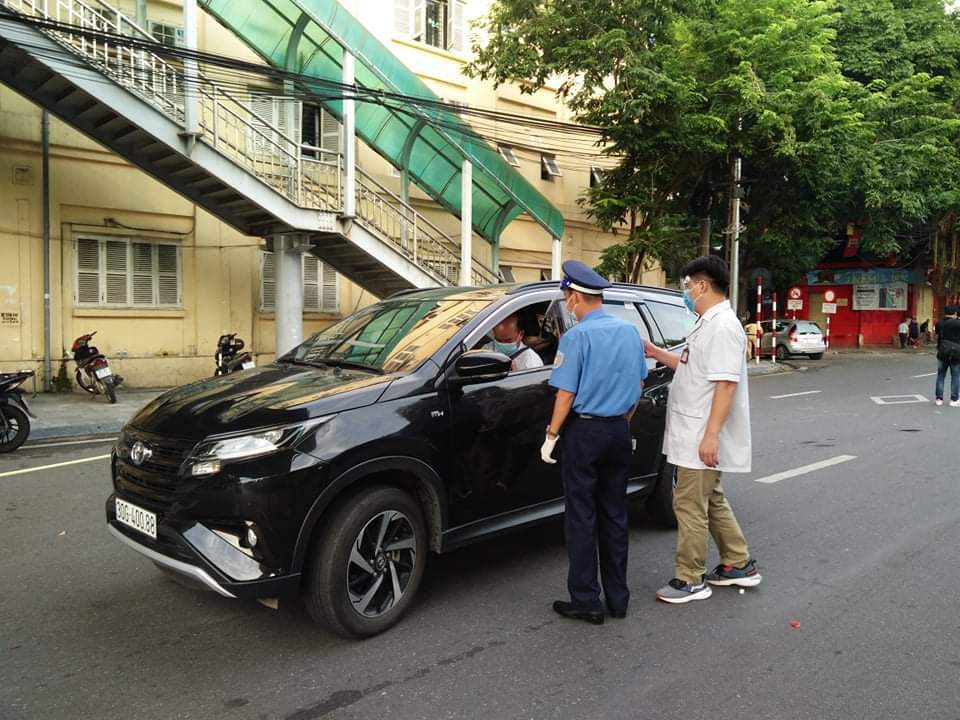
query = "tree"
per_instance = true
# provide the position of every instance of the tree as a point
(677, 88)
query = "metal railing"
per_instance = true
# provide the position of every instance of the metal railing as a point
(307, 176)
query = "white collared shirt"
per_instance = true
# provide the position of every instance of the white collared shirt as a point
(716, 351)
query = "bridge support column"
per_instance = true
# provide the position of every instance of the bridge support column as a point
(349, 137)
(288, 311)
(466, 223)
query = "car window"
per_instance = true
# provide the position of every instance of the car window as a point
(808, 327)
(392, 336)
(537, 334)
(675, 321)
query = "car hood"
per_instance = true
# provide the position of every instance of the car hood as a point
(269, 395)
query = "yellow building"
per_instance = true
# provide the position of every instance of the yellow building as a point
(160, 277)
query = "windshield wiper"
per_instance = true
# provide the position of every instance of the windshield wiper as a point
(337, 362)
(305, 363)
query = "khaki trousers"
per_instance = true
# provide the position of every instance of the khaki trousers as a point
(700, 505)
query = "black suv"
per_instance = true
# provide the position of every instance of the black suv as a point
(395, 432)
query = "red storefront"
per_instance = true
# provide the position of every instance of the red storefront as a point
(868, 303)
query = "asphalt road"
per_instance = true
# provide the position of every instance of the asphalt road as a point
(862, 553)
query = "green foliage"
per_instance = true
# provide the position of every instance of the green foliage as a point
(842, 110)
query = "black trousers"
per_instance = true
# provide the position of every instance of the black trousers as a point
(594, 467)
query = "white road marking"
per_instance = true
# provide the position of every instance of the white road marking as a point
(790, 395)
(925, 375)
(24, 471)
(898, 399)
(787, 474)
(101, 441)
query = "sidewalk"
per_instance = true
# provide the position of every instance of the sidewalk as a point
(77, 414)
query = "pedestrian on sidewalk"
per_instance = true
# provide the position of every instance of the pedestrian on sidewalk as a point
(914, 333)
(598, 373)
(948, 355)
(707, 433)
(904, 331)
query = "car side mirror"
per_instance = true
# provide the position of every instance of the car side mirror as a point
(479, 366)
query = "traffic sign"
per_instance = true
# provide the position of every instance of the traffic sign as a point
(794, 304)
(829, 296)
(794, 293)
(829, 308)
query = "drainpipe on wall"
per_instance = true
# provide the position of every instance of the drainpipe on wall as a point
(45, 138)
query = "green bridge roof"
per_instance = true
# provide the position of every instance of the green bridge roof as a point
(308, 36)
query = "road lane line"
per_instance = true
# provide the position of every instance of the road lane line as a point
(790, 395)
(24, 471)
(787, 474)
(925, 375)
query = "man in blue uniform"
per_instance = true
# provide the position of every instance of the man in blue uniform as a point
(598, 372)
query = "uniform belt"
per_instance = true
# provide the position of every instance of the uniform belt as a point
(612, 418)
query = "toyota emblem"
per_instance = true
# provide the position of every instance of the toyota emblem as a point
(140, 453)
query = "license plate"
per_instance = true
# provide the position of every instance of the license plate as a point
(103, 372)
(136, 517)
(248, 364)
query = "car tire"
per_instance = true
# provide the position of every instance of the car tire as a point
(816, 356)
(782, 353)
(353, 577)
(660, 501)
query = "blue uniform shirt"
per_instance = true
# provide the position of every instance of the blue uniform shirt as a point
(601, 361)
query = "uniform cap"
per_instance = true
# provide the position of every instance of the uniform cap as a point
(578, 276)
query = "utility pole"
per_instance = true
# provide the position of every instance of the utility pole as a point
(735, 176)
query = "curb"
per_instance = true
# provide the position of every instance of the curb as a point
(65, 432)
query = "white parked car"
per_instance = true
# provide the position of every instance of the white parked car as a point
(793, 337)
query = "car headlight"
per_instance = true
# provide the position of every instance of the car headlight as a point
(208, 456)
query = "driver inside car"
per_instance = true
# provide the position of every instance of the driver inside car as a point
(508, 339)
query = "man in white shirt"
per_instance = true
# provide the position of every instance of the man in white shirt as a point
(707, 433)
(903, 330)
(508, 339)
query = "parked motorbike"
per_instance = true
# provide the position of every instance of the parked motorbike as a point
(228, 357)
(93, 371)
(14, 413)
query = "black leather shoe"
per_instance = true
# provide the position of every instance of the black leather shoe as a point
(594, 617)
(619, 614)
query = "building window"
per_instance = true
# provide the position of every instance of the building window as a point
(596, 176)
(548, 167)
(322, 130)
(127, 273)
(439, 23)
(509, 155)
(321, 287)
(166, 34)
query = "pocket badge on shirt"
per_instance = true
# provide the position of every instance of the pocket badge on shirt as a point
(685, 356)
(558, 360)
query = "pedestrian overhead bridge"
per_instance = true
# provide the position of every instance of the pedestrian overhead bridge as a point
(161, 112)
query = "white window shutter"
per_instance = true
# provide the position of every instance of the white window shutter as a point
(330, 297)
(402, 18)
(143, 267)
(88, 271)
(268, 281)
(456, 26)
(419, 19)
(311, 282)
(116, 264)
(168, 275)
(330, 132)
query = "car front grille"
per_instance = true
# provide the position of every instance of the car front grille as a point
(156, 482)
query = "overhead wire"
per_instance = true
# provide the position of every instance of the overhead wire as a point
(530, 132)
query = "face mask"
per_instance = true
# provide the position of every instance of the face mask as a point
(570, 305)
(689, 301)
(506, 348)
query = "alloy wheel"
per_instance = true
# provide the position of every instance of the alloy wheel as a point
(381, 563)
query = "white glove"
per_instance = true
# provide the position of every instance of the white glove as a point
(546, 450)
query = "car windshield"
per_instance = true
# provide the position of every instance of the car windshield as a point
(392, 336)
